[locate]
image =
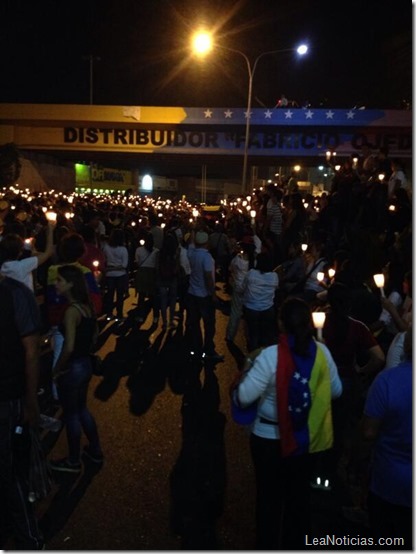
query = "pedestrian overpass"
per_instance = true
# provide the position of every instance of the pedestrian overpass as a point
(180, 139)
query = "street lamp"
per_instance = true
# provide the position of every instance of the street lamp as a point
(202, 43)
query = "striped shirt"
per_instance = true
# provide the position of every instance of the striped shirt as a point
(274, 215)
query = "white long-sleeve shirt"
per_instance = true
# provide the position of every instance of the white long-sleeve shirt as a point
(260, 383)
(117, 257)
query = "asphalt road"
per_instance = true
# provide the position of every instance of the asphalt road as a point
(177, 471)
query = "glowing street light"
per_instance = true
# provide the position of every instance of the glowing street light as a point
(202, 43)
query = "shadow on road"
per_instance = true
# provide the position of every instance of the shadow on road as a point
(71, 489)
(198, 478)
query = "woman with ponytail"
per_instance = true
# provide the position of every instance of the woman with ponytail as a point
(293, 382)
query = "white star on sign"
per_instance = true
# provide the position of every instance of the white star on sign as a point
(208, 113)
(330, 114)
(288, 114)
(298, 410)
(350, 114)
(309, 114)
(228, 114)
(268, 114)
(305, 395)
(247, 114)
(304, 381)
(297, 376)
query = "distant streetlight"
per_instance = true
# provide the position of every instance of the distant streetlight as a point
(202, 43)
(91, 60)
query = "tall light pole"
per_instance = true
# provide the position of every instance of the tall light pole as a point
(91, 60)
(202, 43)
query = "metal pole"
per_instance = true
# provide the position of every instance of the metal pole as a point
(247, 135)
(91, 77)
(91, 58)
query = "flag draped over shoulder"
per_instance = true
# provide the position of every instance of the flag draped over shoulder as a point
(303, 389)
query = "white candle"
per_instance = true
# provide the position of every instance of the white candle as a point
(318, 321)
(50, 216)
(320, 276)
(331, 272)
(304, 247)
(379, 281)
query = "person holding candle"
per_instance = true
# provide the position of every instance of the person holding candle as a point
(292, 271)
(92, 251)
(239, 266)
(13, 265)
(116, 275)
(350, 342)
(316, 263)
(402, 316)
(258, 296)
(145, 258)
(71, 248)
(291, 426)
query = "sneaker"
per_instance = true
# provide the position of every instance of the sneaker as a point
(65, 465)
(215, 357)
(96, 458)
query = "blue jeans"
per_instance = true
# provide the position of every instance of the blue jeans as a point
(73, 391)
(119, 286)
(168, 293)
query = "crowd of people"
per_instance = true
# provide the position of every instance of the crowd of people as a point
(79, 256)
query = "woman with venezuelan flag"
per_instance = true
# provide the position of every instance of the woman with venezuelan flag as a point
(293, 382)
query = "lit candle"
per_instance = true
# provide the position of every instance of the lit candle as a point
(304, 247)
(318, 321)
(331, 272)
(253, 216)
(381, 177)
(392, 208)
(379, 281)
(328, 155)
(320, 276)
(50, 216)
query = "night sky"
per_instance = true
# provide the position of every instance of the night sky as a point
(360, 52)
